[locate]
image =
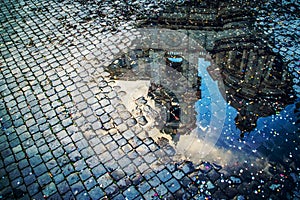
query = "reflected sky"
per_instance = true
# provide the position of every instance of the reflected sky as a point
(277, 131)
(217, 138)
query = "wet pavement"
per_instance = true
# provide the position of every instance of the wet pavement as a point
(132, 100)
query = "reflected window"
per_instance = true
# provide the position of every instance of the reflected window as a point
(174, 113)
(174, 60)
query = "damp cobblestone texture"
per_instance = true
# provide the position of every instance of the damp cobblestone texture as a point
(66, 134)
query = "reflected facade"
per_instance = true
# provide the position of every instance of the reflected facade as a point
(256, 80)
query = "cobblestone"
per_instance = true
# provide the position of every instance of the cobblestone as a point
(96, 193)
(65, 131)
(105, 180)
(131, 193)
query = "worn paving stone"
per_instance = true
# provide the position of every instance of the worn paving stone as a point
(154, 181)
(44, 179)
(131, 193)
(33, 189)
(49, 190)
(99, 170)
(178, 174)
(105, 180)
(96, 193)
(112, 190)
(173, 185)
(40, 169)
(72, 178)
(77, 188)
(63, 187)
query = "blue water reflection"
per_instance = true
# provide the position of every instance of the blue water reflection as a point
(275, 129)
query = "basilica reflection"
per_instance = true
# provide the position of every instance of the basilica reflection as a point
(257, 82)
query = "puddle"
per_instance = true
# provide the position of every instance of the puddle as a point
(203, 109)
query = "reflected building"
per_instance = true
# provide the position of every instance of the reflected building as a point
(256, 80)
(210, 15)
(174, 84)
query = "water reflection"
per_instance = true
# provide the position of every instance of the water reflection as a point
(257, 82)
(201, 104)
(256, 85)
(173, 84)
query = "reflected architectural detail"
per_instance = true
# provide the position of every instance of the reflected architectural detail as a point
(255, 80)
(205, 15)
(257, 83)
(174, 84)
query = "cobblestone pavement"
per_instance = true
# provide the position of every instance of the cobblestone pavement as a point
(66, 134)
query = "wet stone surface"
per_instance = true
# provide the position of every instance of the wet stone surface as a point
(71, 129)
